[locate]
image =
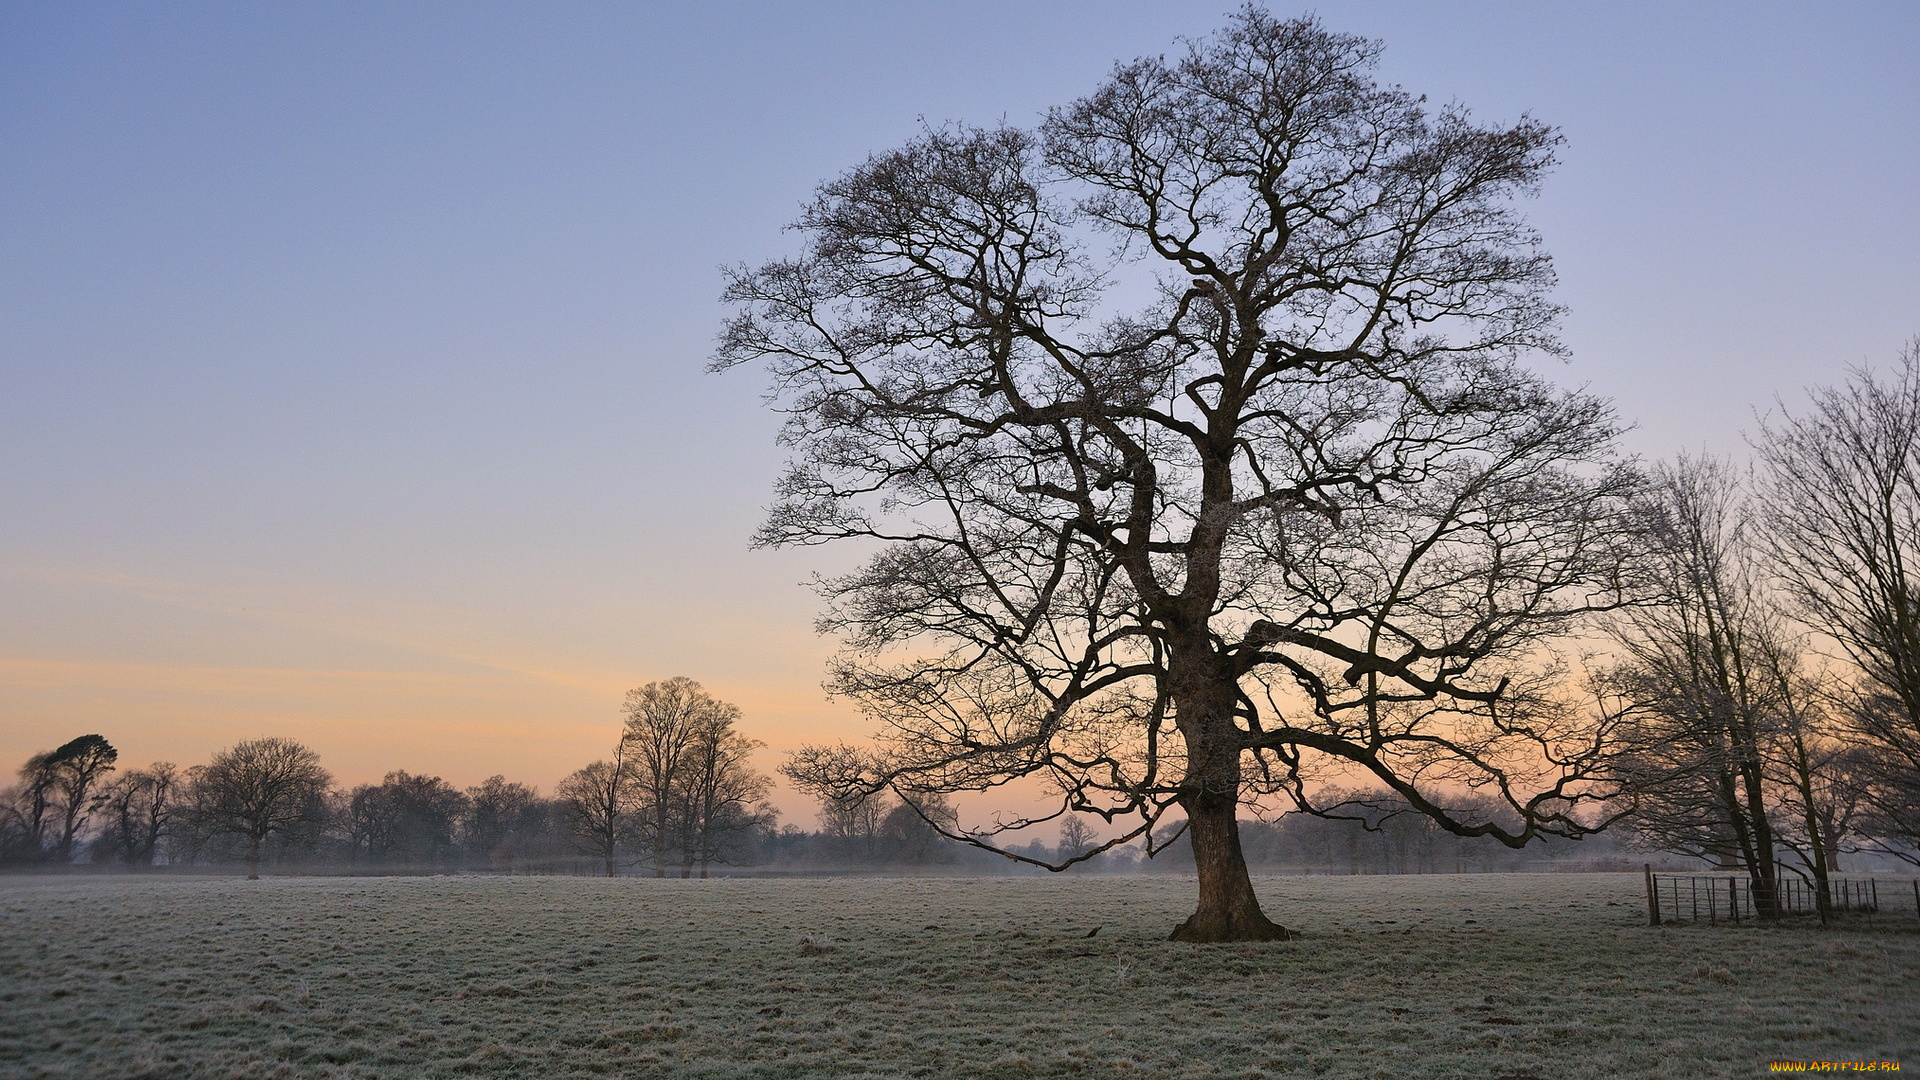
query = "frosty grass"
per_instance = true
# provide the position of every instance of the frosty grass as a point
(1551, 976)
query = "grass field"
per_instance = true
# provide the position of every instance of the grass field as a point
(1550, 976)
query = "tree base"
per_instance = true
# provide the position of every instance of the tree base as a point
(1213, 928)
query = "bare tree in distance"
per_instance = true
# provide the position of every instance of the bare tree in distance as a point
(723, 797)
(665, 720)
(1823, 775)
(139, 807)
(406, 818)
(1706, 681)
(76, 769)
(1841, 483)
(370, 818)
(916, 833)
(55, 791)
(598, 803)
(258, 789)
(496, 809)
(1076, 838)
(1301, 510)
(25, 807)
(854, 824)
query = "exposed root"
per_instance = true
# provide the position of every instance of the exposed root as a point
(1212, 928)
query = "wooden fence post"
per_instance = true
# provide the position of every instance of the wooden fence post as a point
(1653, 896)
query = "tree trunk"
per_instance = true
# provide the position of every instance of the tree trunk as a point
(1816, 839)
(660, 836)
(253, 858)
(1210, 794)
(37, 813)
(1763, 864)
(1765, 902)
(1228, 909)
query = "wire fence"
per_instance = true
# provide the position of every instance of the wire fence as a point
(1674, 899)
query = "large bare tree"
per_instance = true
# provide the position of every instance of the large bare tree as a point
(1195, 432)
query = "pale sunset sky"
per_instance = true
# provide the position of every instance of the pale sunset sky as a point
(352, 356)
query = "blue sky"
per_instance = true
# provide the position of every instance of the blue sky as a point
(351, 355)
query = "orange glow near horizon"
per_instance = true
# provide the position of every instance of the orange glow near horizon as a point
(367, 723)
(175, 670)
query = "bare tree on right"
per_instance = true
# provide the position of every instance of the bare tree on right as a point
(1842, 494)
(1707, 682)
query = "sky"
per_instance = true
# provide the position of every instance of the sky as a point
(352, 356)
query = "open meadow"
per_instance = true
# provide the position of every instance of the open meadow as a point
(1554, 976)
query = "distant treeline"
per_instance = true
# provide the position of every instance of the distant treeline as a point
(678, 797)
(268, 802)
